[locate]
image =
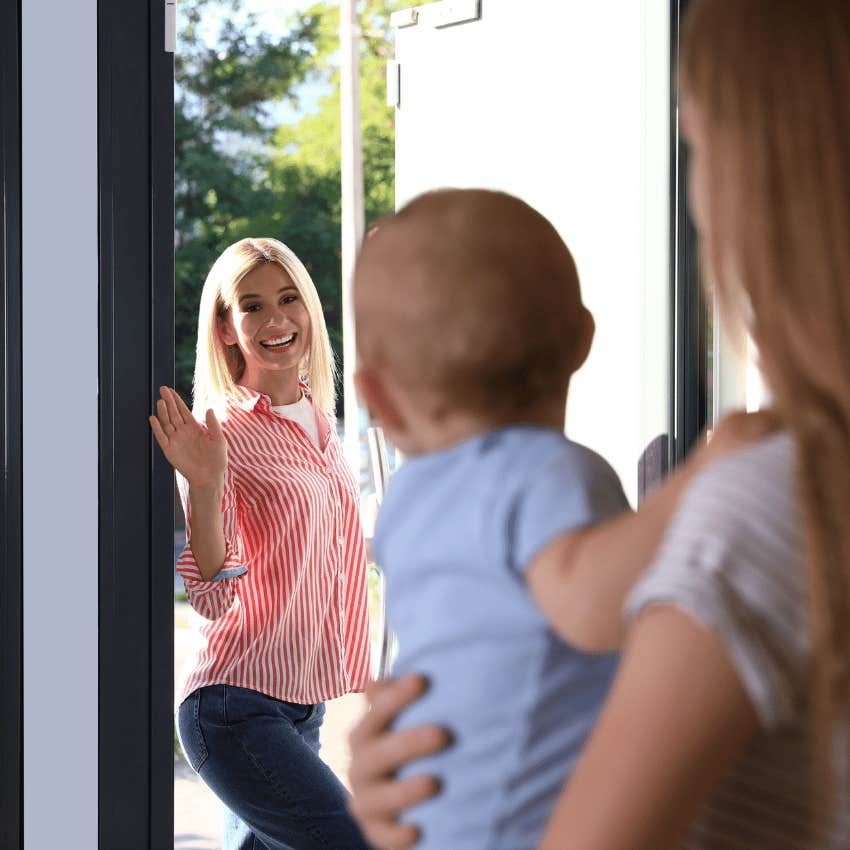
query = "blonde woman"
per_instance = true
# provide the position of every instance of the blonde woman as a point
(728, 723)
(274, 561)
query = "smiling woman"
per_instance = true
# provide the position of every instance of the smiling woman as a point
(256, 291)
(274, 562)
(270, 328)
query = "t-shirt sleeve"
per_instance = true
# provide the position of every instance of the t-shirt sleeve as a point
(569, 490)
(731, 560)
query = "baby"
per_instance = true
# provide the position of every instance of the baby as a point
(469, 327)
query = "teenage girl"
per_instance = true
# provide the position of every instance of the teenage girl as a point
(274, 561)
(728, 724)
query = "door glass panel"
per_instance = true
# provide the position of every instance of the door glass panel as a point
(257, 153)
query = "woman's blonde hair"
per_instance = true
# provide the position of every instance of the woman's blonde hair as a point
(218, 367)
(769, 81)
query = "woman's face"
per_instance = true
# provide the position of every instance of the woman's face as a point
(269, 322)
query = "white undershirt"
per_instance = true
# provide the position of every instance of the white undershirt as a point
(301, 412)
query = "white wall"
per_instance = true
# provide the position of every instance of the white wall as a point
(60, 375)
(565, 104)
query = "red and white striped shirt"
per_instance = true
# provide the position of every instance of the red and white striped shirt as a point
(287, 615)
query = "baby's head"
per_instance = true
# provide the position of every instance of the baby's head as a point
(469, 316)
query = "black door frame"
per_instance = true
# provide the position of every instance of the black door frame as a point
(688, 315)
(136, 232)
(11, 433)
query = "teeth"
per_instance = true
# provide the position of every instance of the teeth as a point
(281, 340)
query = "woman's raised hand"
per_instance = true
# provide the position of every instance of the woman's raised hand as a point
(196, 452)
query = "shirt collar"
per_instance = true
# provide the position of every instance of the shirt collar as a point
(247, 399)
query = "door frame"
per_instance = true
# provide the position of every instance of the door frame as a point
(11, 435)
(136, 356)
(688, 315)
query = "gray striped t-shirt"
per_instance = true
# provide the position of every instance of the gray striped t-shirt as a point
(732, 560)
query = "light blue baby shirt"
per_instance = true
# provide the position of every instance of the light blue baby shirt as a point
(454, 536)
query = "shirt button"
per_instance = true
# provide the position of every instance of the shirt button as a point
(340, 540)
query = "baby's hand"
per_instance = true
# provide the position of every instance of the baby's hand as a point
(736, 431)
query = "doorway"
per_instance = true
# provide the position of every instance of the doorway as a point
(139, 316)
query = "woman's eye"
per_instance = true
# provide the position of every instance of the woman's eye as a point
(288, 299)
(252, 308)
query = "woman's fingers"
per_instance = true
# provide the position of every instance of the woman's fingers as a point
(168, 396)
(160, 435)
(376, 753)
(377, 806)
(182, 407)
(389, 835)
(213, 425)
(386, 800)
(386, 700)
(385, 752)
(164, 417)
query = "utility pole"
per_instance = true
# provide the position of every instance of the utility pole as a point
(352, 212)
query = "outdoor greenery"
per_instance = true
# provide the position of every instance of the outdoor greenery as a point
(238, 174)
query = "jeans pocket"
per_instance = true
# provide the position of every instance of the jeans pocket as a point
(317, 713)
(190, 732)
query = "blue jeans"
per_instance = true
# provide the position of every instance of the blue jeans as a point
(260, 756)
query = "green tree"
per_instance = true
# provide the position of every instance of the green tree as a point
(222, 127)
(306, 163)
(237, 176)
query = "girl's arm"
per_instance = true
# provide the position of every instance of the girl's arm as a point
(581, 579)
(208, 544)
(200, 455)
(676, 719)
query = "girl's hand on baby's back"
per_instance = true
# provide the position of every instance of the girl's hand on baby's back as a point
(377, 752)
(198, 453)
(736, 431)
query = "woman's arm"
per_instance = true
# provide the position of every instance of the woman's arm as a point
(580, 580)
(200, 455)
(676, 719)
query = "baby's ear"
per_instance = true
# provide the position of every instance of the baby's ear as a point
(585, 331)
(372, 389)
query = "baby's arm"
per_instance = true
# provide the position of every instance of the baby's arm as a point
(676, 718)
(581, 579)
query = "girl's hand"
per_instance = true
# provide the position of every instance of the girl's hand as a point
(196, 452)
(378, 798)
(736, 431)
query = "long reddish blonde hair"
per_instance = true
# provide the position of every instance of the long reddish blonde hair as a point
(770, 80)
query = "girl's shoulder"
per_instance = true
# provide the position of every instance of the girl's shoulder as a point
(752, 492)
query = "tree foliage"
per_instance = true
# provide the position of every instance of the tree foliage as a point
(237, 175)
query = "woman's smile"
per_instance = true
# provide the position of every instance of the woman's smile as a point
(279, 343)
(269, 323)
